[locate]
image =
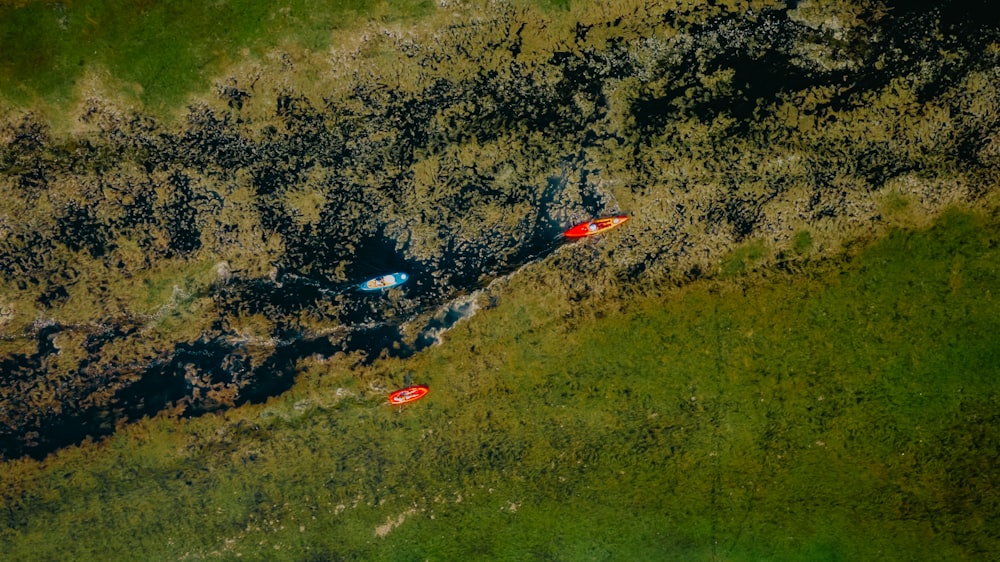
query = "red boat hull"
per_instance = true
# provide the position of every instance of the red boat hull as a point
(409, 394)
(595, 226)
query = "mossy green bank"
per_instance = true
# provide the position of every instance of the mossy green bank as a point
(160, 53)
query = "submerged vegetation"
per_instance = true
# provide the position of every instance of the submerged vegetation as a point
(777, 357)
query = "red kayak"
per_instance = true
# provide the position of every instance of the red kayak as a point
(595, 226)
(409, 394)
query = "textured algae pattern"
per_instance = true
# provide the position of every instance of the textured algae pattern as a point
(788, 352)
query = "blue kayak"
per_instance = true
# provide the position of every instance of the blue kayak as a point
(384, 282)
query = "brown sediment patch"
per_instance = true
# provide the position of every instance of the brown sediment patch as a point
(390, 523)
(6, 313)
(97, 88)
(913, 202)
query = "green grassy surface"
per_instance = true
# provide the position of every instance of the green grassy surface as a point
(161, 51)
(844, 413)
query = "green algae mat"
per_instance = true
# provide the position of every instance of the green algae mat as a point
(159, 52)
(844, 412)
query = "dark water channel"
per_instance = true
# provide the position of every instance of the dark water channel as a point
(369, 325)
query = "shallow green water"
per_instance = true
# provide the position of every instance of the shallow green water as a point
(813, 420)
(844, 413)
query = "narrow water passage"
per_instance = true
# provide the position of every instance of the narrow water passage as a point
(218, 370)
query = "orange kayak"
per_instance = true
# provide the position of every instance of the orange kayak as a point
(595, 226)
(409, 394)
